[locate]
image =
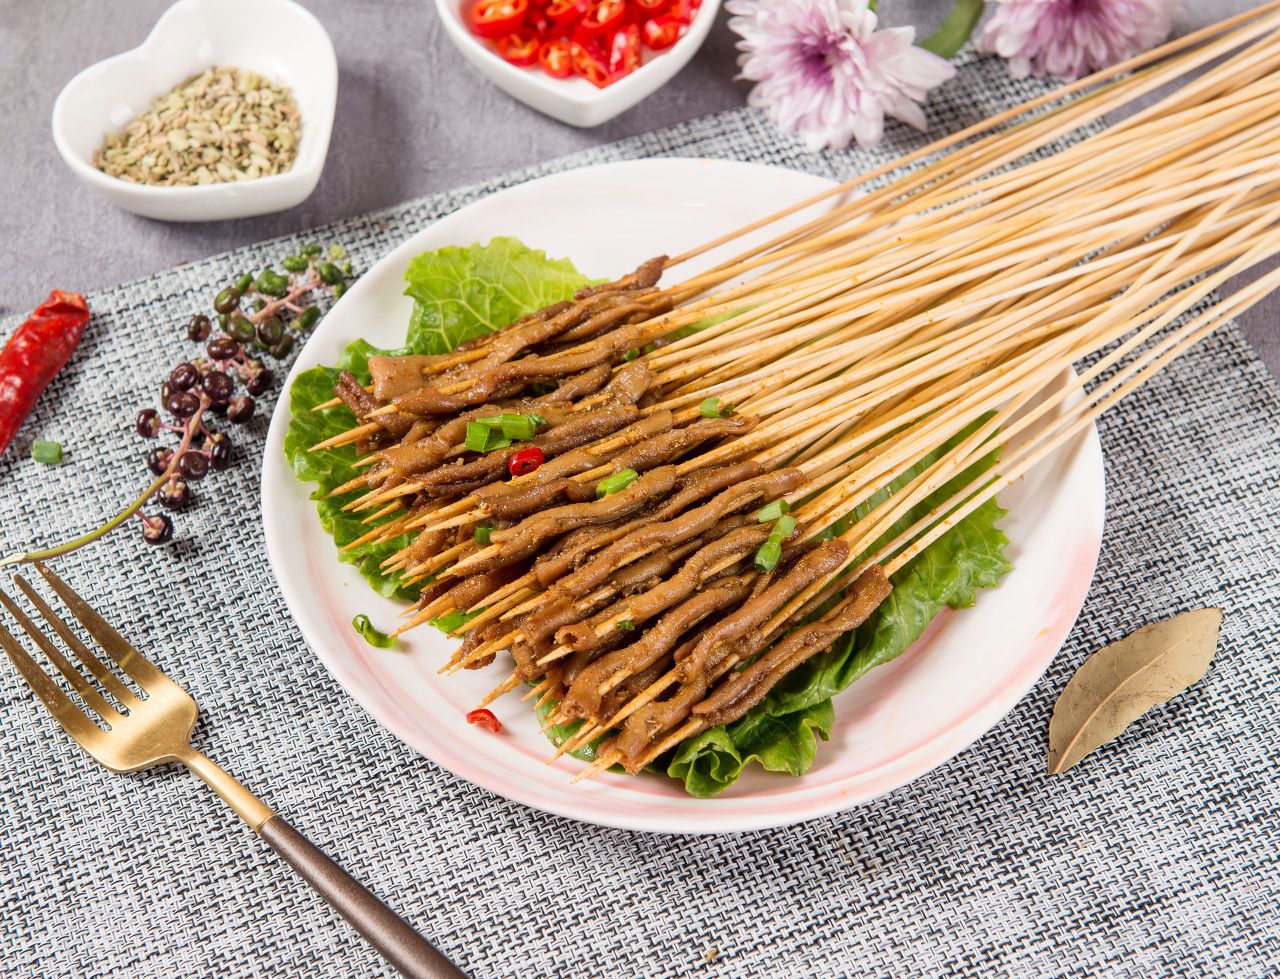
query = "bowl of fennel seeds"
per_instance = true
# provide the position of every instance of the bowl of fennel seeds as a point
(206, 120)
(221, 125)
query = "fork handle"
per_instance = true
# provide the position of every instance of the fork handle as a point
(385, 930)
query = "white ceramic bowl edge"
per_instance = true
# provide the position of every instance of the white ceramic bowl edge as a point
(575, 100)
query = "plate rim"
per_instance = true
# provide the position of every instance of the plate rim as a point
(275, 472)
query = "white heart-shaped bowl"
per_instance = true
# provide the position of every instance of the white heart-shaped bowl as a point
(275, 38)
(575, 100)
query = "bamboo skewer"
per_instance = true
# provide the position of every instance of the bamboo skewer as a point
(862, 333)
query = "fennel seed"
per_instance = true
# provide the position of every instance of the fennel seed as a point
(222, 125)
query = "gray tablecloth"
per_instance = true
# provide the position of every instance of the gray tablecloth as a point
(1155, 857)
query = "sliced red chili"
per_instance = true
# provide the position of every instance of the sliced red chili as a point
(604, 16)
(556, 58)
(539, 23)
(684, 10)
(566, 13)
(588, 64)
(651, 6)
(485, 718)
(497, 18)
(520, 48)
(624, 52)
(525, 461)
(662, 32)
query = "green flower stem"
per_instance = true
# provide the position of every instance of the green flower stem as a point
(951, 36)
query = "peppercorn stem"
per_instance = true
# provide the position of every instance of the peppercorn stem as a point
(194, 424)
(93, 535)
(296, 291)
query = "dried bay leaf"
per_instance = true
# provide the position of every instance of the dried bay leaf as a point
(1121, 682)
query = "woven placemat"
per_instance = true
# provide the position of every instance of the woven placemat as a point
(1155, 857)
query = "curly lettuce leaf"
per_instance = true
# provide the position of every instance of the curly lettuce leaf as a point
(779, 732)
(558, 734)
(458, 293)
(463, 293)
(713, 760)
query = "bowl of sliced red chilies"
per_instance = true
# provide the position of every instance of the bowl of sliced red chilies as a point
(580, 61)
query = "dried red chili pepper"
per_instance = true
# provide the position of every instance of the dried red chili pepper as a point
(35, 353)
(485, 718)
(525, 461)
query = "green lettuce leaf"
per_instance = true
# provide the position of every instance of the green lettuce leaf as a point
(463, 293)
(778, 733)
(458, 293)
(558, 734)
(713, 760)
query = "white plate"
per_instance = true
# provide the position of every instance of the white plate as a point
(897, 723)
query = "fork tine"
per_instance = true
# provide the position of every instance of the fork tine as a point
(115, 645)
(83, 687)
(73, 720)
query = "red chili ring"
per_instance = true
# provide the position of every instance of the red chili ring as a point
(525, 461)
(485, 718)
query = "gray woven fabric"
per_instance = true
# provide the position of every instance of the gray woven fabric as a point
(1156, 857)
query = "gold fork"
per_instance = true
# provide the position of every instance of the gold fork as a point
(156, 730)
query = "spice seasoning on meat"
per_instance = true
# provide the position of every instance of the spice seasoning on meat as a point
(223, 125)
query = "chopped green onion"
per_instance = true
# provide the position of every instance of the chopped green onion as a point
(635, 352)
(773, 511)
(518, 427)
(626, 625)
(712, 408)
(482, 438)
(477, 439)
(309, 250)
(372, 636)
(767, 556)
(784, 528)
(49, 453)
(522, 427)
(616, 483)
(336, 252)
(483, 532)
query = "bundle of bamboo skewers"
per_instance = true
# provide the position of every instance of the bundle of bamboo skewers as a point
(931, 317)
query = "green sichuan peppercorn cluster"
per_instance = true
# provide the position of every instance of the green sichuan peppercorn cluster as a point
(257, 315)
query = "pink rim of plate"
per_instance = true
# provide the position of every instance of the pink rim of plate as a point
(899, 722)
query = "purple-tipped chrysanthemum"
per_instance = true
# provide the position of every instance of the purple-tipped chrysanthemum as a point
(1070, 38)
(822, 70)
